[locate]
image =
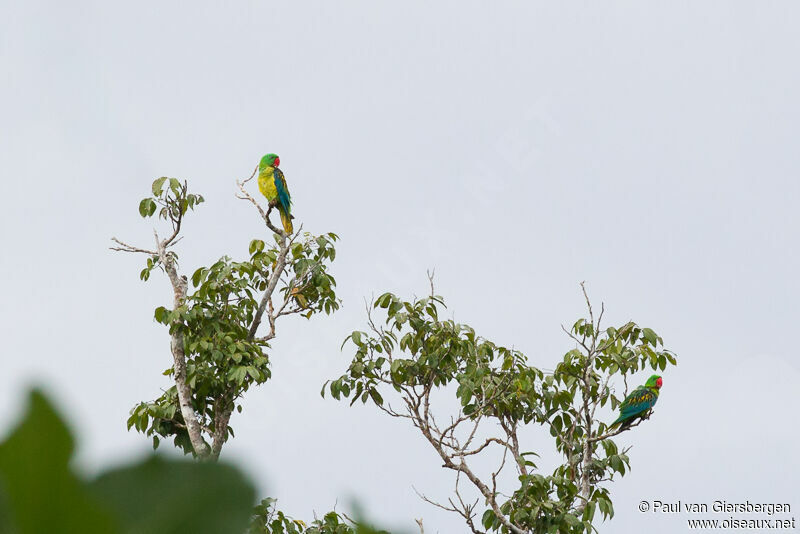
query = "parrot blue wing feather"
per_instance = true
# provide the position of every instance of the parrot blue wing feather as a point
(283, 191)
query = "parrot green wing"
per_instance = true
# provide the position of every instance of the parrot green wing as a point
(637, 404)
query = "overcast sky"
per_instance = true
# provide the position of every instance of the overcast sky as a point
(648, 148)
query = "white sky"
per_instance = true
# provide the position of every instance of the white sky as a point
(519, 148)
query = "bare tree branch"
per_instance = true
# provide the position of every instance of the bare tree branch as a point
(485, 444)
(124, 247)
(423, 423)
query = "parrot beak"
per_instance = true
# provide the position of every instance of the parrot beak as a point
(277, 161)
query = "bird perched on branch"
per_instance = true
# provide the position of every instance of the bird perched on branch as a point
(298, 296)
(639, 403)
(272, 185)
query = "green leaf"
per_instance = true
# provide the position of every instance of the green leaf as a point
(588, 512)
(488, 519)
(254, 373)
(175, 496)
(197, 276)
(356, 337)
(40, 491)
(160, 314)
(376, 397)
(256, 245)
(383, 301)
(175, 185)
(237, 374)
(147, 207)
(650, 336)
(158, 185)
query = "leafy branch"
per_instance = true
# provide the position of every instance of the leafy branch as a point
(217, 352)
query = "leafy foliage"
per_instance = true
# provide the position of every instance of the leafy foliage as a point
(172, 200)
(267, 519)
(171, 196)
(415, 351)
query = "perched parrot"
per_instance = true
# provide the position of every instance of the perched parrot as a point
(638, 403)
(272, 185)
(301, 299)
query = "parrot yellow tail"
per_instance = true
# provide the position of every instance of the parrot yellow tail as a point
(286, 220)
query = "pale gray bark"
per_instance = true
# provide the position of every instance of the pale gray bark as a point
(280, 266)
(179, 287)
(223, 407)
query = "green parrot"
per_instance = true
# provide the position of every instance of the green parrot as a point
(272, 185)
(298, 296)
(638, 403)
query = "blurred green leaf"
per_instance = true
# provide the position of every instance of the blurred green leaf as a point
(177, 496)
(42, 495)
